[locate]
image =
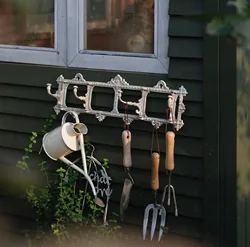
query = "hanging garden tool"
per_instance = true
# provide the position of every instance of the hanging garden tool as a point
(127, 163)
(170, 143)
(155, 157)
(100, 178)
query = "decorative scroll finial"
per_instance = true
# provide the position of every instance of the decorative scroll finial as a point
(100, 116)
(161, 85)
(78, 77)
(127, 120)
(118, 81)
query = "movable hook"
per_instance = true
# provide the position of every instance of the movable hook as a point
(171, 108)
(55, 95)
(83, 98)
(140, 104)
(92, 151)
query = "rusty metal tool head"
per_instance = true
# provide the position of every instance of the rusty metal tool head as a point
(127, 163)
(156, 208)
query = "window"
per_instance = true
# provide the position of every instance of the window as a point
(33, 31)
(127, 35)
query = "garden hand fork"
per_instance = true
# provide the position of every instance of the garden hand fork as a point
(155, 207)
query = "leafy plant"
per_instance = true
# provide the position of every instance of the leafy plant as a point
(58, 201)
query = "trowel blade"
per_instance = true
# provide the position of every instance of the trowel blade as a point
(127, 186)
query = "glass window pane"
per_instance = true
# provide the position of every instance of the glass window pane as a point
(120, 25)
(27, 23)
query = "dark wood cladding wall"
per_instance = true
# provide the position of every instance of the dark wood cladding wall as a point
(24, 105)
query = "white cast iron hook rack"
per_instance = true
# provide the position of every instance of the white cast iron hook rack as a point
(117, 84)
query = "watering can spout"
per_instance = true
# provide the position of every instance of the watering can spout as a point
(99, 202)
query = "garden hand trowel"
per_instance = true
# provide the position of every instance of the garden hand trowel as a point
(127, 163)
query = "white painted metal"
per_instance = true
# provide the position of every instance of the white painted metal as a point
(63, 140)
(78, 56)
(66, 139)
(118, 84)
(70, 40)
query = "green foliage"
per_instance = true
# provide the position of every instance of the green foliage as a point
(58, 201)
(164, 229)
(234, 26)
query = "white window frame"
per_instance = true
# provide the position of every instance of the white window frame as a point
(79, 57)
(40, 55)
(69, 48)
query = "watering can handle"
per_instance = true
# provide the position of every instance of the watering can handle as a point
(74, 114)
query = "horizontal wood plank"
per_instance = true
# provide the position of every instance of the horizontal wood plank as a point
(192, 127)
(185, 47)
(142, 181)
(184, 166)
(14, 224)
(187, 7)
(102, 134)
(15, 186)
(134, 215)
(33, 75)
(11, 176)
(194, 89)
(141, 198)
(155, 109)
(183, 27)
(191, 69)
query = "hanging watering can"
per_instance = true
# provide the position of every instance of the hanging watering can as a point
(65, 140)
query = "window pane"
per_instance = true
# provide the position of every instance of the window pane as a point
(27, 23)
(120, 25)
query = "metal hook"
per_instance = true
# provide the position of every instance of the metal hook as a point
(93, 150)
(55, 95)
(141, 104)
(83, 98)
(170, 106)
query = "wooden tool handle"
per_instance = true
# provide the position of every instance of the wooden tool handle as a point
(155, 171)
(170, 141)
(126, 141)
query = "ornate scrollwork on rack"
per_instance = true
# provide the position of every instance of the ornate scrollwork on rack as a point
(118, 84)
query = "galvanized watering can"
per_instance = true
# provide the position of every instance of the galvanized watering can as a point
(65, 140)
